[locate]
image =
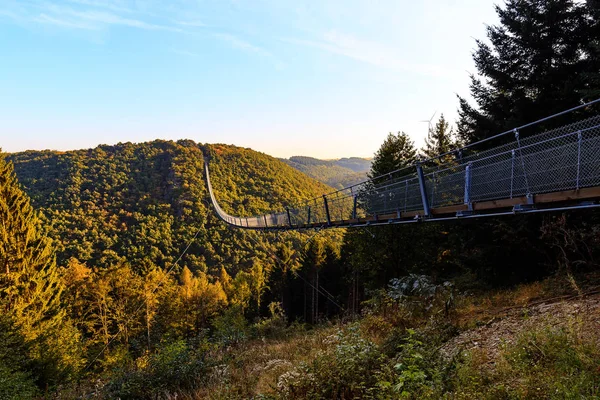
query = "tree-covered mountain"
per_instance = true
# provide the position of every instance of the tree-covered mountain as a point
(338, 173)
(141, 203)
(116, 219)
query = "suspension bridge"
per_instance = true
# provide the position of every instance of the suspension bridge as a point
(524, 170)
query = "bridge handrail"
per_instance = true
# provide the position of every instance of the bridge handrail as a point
(452, 176)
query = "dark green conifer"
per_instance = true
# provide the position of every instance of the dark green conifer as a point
(396, 152)
(440, 139)
(31, 284)
(537, 63)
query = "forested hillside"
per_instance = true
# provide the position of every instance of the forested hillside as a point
(335, 173)
(117, 218)
(141, 203)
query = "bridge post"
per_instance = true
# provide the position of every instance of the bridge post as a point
(355, 200)
(512, 173)
(266, 224)
(468, 187)
(578, 157)
(434, 186)
(522, 162)
(287, 209)
(405, 195)
(423, 189)
(308, 222)
(327, 210)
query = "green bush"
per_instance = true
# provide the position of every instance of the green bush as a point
(230, 327)
(346, 371)
(415, 372)
(176, 367)
(274, 326)
(16, 385)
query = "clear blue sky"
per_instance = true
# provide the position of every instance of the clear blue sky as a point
(319, 78)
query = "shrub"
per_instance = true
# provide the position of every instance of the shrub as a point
(345, 371)
(231, 327)
(275, 325)
(176, 367)
(420, 295)
(416, 372)
(16, 384)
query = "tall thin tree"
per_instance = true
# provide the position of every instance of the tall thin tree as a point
(440, 139)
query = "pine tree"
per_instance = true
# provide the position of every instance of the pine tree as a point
(543, 58)
(281, 276)
(592, 51)
(16, 381)
(259, 281)
(200, 300)
(440, 139)
(396, 152)
(536, 65)
(31, 284)
(379, 254)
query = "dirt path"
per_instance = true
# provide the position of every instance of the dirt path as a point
(583, 313)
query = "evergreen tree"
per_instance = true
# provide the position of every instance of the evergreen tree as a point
(15, 379)
(538, 63)
(31, 284)
(200, 300)
(396, 152)
(440, 139)
(592, 50)
(543, 58)
(381, 253)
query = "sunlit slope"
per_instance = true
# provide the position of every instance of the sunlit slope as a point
(141, 203)
(270, 183)
(336, 173)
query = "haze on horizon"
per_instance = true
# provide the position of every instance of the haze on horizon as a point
(323, 79)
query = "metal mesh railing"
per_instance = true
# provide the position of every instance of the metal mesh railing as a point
(567, 158)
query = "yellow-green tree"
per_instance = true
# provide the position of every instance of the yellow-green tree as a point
(200, 301)
(31, 285)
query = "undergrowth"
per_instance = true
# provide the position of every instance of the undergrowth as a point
(392, 351)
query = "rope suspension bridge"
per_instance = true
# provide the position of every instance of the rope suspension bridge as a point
(524, 170)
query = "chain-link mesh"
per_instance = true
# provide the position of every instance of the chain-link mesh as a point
(562, 159)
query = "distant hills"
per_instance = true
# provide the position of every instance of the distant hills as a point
(335, 173)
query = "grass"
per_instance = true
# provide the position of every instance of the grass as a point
(479, 308)
(544, 362)
(255, 366)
